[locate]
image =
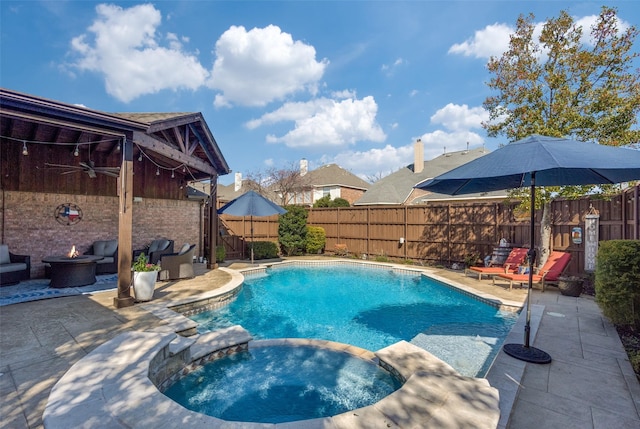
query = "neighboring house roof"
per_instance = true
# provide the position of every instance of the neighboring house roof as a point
(397, 187)
(433, 197)
(334, 175)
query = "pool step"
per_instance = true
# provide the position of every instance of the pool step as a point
(221, 339)
(435, 394)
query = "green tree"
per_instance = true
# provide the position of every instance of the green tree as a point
(561, 86)
(292, 230)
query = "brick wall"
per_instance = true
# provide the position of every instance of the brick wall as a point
(350, 194)
(29, 226)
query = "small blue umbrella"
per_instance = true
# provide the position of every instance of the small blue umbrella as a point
(542, 161)
(251, 204)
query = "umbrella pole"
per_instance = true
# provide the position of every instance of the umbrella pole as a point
(251, 239)
(524, 351)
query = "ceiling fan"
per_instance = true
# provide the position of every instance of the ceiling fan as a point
(87, 167)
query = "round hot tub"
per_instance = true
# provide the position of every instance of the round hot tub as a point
(279, 382)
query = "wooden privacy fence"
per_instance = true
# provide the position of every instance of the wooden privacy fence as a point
(447, 233)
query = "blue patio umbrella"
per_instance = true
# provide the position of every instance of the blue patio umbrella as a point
(251, 204)
(538, 161)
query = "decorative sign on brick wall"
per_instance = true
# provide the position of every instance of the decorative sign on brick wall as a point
(68, 214)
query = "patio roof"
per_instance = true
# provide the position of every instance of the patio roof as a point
(169, 139)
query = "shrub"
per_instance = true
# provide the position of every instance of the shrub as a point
(292, 230)
(316, 239)
(221, 253)
(326, 201)
(617, 281)
(264, 250)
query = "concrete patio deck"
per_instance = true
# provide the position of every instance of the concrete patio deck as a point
(589, 384)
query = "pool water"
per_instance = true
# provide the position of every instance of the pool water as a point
(370, 308)
(282, 383)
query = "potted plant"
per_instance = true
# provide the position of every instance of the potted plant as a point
(570, 285)
(145, 275)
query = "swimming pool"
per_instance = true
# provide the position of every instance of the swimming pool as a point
(368, 306)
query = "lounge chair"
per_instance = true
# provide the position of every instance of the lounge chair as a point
(178, 265)
(548, 273)
(13, 268)
(155, 250)
(108, 249)
(516, 258)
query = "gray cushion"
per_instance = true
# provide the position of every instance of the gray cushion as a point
(184, 249)
(159, 244)
(4, 254)
(10, 268)
(105, 247)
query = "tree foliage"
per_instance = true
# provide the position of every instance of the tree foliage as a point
(557, 85)
(292, 230)
(279, 183)
(566, 82)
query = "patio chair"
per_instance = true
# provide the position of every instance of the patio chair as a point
(108, 249)
(178, 265)
(548, 273)
(13, 268)
(515, 258)
(155, 250)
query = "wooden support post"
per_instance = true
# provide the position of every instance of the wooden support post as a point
(125, 222)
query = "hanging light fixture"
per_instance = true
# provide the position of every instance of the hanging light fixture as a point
(157, 171)
(140, 157)
(76, 152)
(118, 147)
(184, 168)
(172, 174)
(25, 151)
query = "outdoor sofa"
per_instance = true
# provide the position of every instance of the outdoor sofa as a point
(13, 268)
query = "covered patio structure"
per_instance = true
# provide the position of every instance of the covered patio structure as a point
(72, 175)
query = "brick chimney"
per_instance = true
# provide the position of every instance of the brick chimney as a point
(304, 167)
(238, 182)
(418, 156)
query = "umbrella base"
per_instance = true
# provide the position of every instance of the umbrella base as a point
(527, 354)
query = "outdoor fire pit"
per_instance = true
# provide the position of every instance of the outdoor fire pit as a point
(72, 270)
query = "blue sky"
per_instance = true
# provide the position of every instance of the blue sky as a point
(347, 82)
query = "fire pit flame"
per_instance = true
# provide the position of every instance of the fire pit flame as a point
(73, 253)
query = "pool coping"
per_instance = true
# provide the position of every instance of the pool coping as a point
(112, 386)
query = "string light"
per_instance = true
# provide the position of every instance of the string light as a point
(184, 168)
(76, 152)
(118, 147)
(157, 171)
(172, 174)
(25, 151)
(140, 157)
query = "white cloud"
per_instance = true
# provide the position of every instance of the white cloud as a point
(122, 45)
(492, 40)
(457, 117)
(253, 68)
(325, 122)
(458, 121)
(439, 142)
(368, 163)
